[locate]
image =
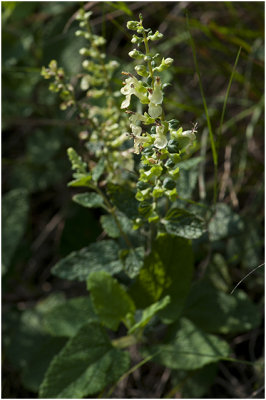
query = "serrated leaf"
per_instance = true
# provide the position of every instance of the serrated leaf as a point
(182, 223)
(134, 261)
(149, 312)
(98, 170)
(89, 200)
(110, 300)
(14, 216)
(167, 270)
(218, 312)
(85, 366)
(124, 199)
(66, 319)
(224, 223)
(190, 349)
(99, 256)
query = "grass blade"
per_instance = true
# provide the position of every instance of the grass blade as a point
(214, 152)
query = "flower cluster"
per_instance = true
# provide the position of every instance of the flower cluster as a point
(97, 106)
(160, 142)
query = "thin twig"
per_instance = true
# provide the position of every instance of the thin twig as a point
(251, 272)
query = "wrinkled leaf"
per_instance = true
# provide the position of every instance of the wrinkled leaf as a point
(89, 200)
(167, 270)
(27, 345)
(67, 318)
(110, 300)
(190, 349)
(134, 261)
(96, 257)
(85, 366)
(218, 312)
(124, 199)
(182, 223)
(109, 225)
(224, 223)
(186, 182)
(149, 312)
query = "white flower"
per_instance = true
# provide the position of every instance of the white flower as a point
(161, 140)
(134, 118)
(126, 102)
(156, 97)
(138, 140)
(136, 130)
(133, 86)
(154, 110)
(189, 134)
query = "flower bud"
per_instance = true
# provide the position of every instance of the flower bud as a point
(157, 35)
(141, 70)
(136, 54)
(133, 25)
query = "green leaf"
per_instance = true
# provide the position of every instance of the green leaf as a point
(121, 5)
(134, 261)
(124, 199)
(85, 366)
(66, 319)
(27, 346)
(190, 349)
(14, 217)
(167, 270)
(110, 300)
(149, 312)
(109, 225)
(98, 170)
(99, 256)
(224, 223)
(182, 223)
(186, 182)
(218, 273)
(89, 200)
(218, 312)
(83, 180)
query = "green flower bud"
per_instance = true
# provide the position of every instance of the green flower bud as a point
(173, 124)
(169, 183)
(136, 54)
(141, 71)
(132, 25)
(173, 146)
(142, 185)
(157, 35)
(136, 39)
(170, 163)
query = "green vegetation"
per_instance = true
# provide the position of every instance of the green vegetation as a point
(132, 200)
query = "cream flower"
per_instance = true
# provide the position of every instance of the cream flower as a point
(133, 86)
(155, 110)
(161, 140)
(156, 97)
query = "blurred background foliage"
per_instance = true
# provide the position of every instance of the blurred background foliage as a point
(40, 224)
